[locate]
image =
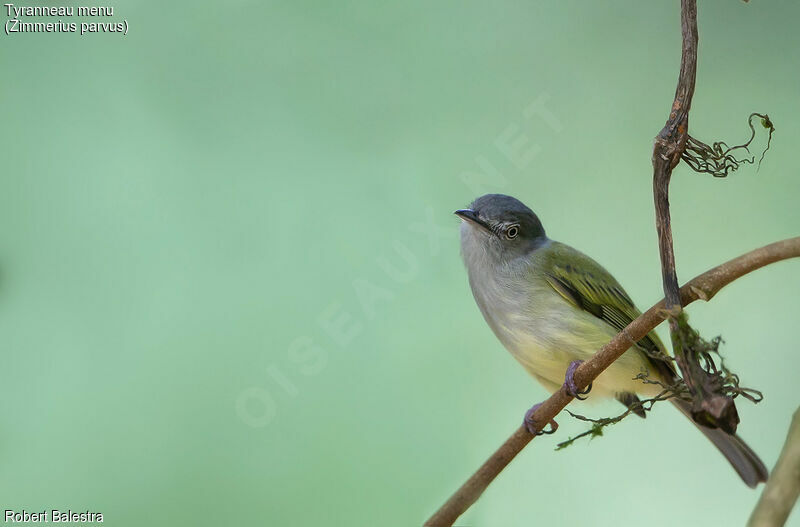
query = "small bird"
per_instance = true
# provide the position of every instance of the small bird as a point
(553, 307)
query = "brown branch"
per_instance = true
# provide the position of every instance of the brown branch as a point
(702, 287)
(669, 146)
(783, 485)
(667, 151)
(709, 405)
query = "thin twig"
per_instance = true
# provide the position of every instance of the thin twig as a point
(702, 287)
(783, 486)
(645, 405)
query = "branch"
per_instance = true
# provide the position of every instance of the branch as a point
(702, 287)
(669, 146)
(709, 405)
(783, 485)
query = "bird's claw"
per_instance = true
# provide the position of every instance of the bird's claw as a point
(569, 382)
(572, 390)
(530, 424)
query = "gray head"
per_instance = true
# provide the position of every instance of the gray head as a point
(501, 227)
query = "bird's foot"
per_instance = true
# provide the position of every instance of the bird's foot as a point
(569, 382)
(531, 425)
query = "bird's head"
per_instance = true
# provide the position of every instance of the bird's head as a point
(500, 226)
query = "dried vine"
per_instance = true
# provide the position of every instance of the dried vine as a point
(719, 159)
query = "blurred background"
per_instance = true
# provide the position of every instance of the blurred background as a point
(230, 283)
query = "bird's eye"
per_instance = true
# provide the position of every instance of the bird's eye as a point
(512, 232)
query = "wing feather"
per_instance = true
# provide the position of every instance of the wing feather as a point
(588, 286)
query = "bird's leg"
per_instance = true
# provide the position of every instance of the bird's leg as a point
(569, 382)
(572, 390)
(531, 425)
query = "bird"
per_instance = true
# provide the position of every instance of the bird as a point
(552, 307)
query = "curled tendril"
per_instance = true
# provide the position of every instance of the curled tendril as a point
(719, 159)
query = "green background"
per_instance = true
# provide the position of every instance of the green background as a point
(185, 212)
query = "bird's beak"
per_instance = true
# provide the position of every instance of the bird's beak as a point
(471, 216)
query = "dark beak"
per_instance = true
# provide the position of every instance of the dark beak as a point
(472, 216)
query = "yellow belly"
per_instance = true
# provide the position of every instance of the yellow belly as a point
(547, 359)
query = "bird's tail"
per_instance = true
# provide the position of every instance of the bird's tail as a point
(746, 463)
